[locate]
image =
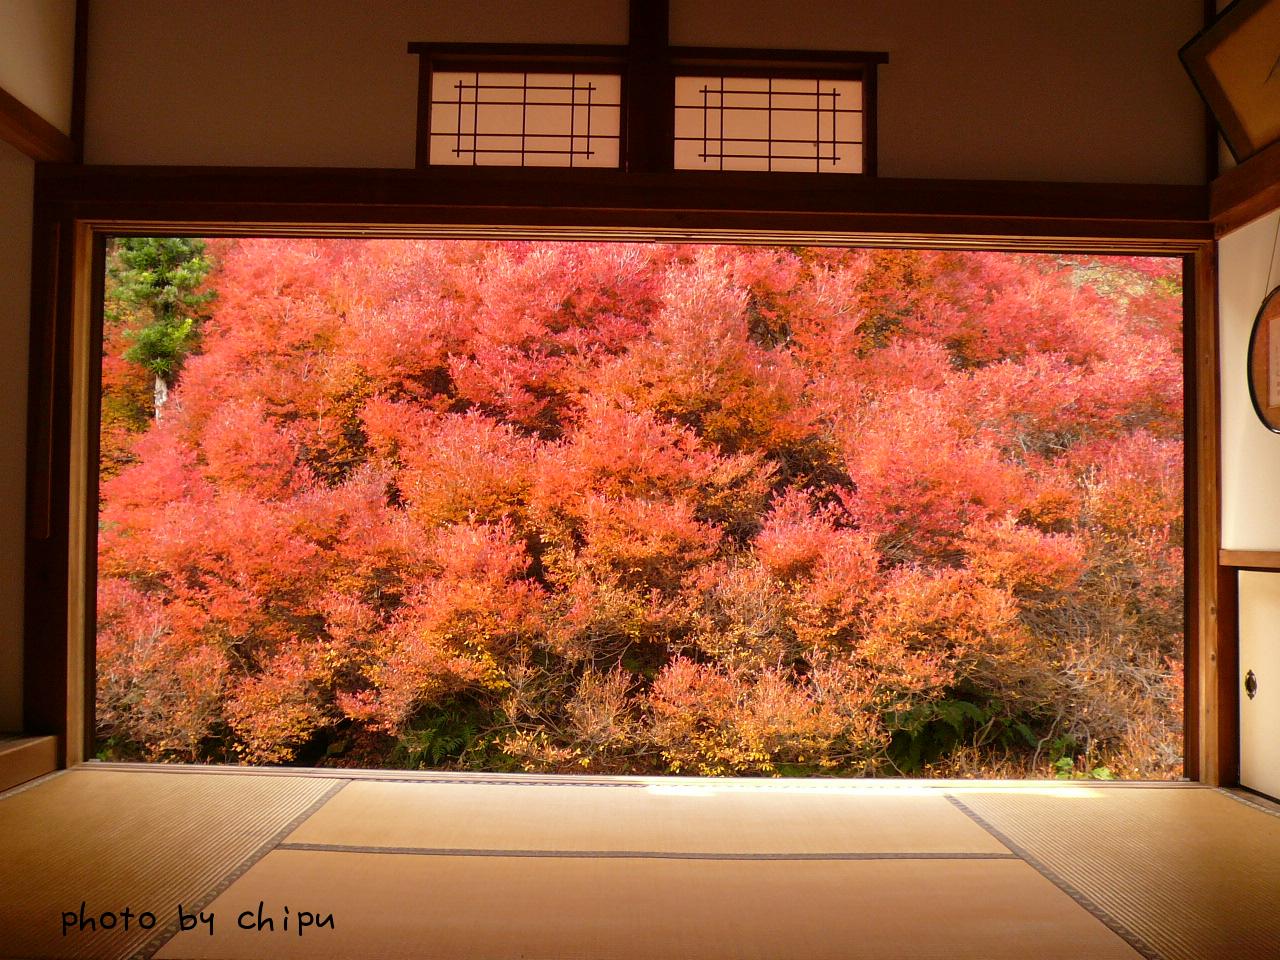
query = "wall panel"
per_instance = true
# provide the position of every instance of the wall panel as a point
(1005, 89)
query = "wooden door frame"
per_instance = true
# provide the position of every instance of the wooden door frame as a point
(77, 207)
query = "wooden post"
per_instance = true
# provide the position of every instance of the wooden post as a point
(650, 89)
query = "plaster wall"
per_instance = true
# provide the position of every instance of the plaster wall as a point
(1088, 90)
(37, 56)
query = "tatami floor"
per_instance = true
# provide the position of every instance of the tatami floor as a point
(537, 867)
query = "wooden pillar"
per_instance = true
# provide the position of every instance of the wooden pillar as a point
(650, 89)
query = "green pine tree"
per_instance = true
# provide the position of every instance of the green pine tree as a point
(153, 285)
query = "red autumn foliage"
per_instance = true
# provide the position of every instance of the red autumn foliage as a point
(642, 508)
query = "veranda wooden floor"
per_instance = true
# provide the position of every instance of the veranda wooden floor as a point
(503, 867)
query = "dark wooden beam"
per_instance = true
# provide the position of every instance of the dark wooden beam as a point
(1247, 191)
(31, 133)
(810, 60)
(650, 89)
(452, 54)
(257, 198)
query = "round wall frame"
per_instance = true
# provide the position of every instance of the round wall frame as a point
(1264, 362)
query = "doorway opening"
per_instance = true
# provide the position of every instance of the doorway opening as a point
(641, 508)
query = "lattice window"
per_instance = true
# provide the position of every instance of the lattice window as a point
(769, 123)
(525, 119)
(680, 108)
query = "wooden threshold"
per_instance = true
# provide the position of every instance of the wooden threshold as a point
(906, 785)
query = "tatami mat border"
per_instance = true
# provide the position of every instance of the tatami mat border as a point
(634, 854)
(1259, 803)
(1120, 930)
(24, 787)
(163, 936)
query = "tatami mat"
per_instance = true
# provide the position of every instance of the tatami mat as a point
(1193, 872)
(147, 841)
(657, 818)
(587, 869)
(392, 906)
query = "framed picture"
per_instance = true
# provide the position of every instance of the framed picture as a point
(1264, 362)
(1235, 64)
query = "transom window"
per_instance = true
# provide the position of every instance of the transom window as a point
(767, 123)
(525, 119)
(647, 106)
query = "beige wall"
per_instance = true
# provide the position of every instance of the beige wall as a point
(1081, 90)
(16, 180)
(289, 82)
(1250, 452)
(1002, 89)
(36, 56)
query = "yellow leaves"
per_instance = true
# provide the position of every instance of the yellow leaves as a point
(491, 673)
(537, 753)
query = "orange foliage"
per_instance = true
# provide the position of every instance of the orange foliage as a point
(646, 507)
